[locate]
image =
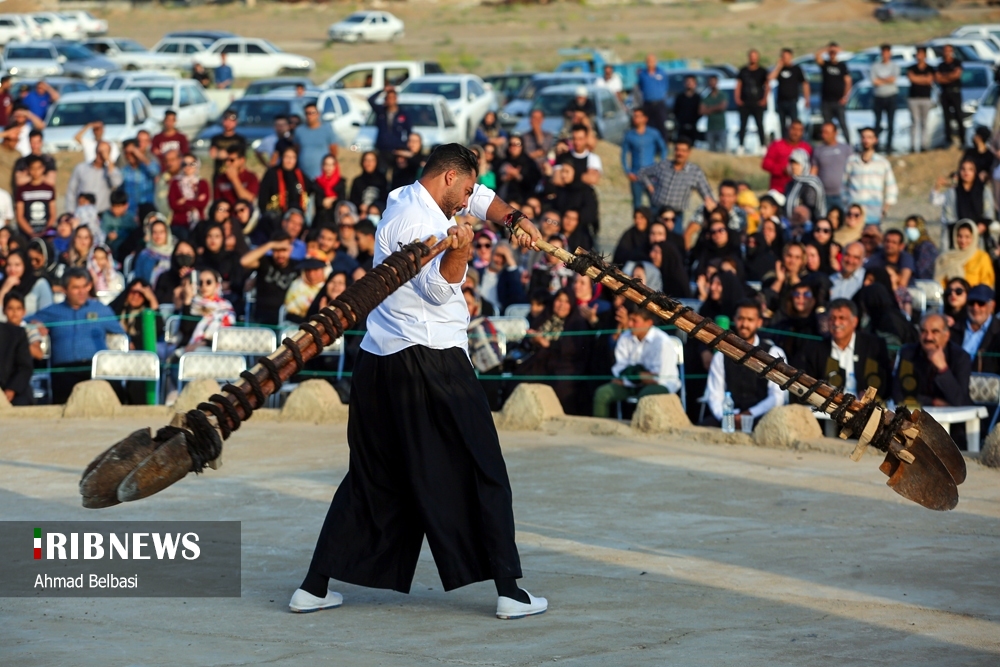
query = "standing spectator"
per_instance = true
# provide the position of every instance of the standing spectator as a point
(892, 254)
(223, 74)
(370, 186)
(235, 181)
(612, 81)
(851, 276)
(21, 176)
(170, 139)
(16, 366)
(331, 188)
(537, 142)
(869, 181)
(90, 137)
(409, 163)
(392, 124)
(979, 331)
(775, 161)
(139, 175)
(753, 395)
(687, 109)
(653, 85)
(576, 176)
(885, 77)
(969, 198)
(35, 201)
(792, 84)
(981, 153)
(752, 86)
(669, 183)
(172, 167)
(201, 75)
(284, 186)
(949, 79)
(804, 189)
(920, 247)
(829, 162)
(836, 87)
(714, 106)
(6, 103)
(645, 363)
(40, 98)
(97, 177)
(119, 225)
(188, 198)
(933, 372)
(316, 140)
(273, 145)
(227, 143)
(83, 324)
(640, 148)
(519, 175)
(921, 76)
(967, 260)
(275, 274)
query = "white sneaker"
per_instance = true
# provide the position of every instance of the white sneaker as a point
(509, 609)
(303, 602)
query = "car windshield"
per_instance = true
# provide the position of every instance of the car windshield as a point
(263, 87)
(74, 114)
(990, 98)
(450, 90)
(158, 95)
(130, 46)
(552, 104)
(975, 77)
(28, 53)
(420, 114)
(74, 51)
(261, 113)
(356, 18)
(862, 99)
(536, 84)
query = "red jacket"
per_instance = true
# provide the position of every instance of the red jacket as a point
(776, 162)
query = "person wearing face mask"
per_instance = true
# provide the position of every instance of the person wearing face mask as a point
(966, 260)
(181, 264)
(920, 247)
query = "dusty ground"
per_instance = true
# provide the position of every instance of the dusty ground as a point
(650, 552)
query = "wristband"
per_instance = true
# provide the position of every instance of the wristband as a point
(511, 219)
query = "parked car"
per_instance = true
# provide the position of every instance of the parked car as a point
(903, 54)
(963, 52)
(13, 28)
(986, 111)
(345, 113)
(984, 49)
(185, 96)
(611, 119)
(752, 143)
(976, 78)
(207, 37)
(61, 84)
(31, 59)
(368, 26)
(467, 95)
(253, 58)
(118, 80)
(264, 86)
(505, 86)
(185, 47)
(676, 77)
(365, 78)
(54, 26)
(90, 25)
(860, 114)
(978, 29)
(905, 11)
(124, 113)
(518, 108)
(131, 55)
(431, 118)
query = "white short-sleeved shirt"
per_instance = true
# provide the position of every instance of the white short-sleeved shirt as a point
(427, 310)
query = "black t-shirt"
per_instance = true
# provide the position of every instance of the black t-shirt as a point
(36, 199)
(918, 91)
(234, 144)
(273, 282)
(954, 88)
(790, 80)
(834, 85)
(753, 81)
(686, 108)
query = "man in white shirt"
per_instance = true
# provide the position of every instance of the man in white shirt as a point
(90, 136)
(851, 277)
(425, 457)
(612, 81)
(753, 395)
(6, 209)
(645, 363)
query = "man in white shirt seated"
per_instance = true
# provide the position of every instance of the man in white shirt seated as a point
(753, 396)
(645, 364)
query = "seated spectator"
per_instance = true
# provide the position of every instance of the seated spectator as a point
(86, 212)
(979, 334)
(333, 287)
(646, 363)
(724, 290)
(670, 264)
(208, 304)
(892, 253)
(364, 232)
(408, 162)
(65, 224)
(370, 186)
(760, 259)
(500, 280)
(136, 298)
(246, 216)
(804, 189)
(154, 258)
(284, 186)
(44, 263)
(752, 395)
(634, 243)
(83, 324)
(225, 263)
(968, 198)
(234, 181)
(719, 244)
(119, 225)
(851, 277)
(871, 239)
(933, 372)
(550, 274)
(798, 317)
(577, 174)
(13, 310)
(487, 176)
(518, 174)
(879, 307)
(275, 274)
(920, 247)
(966, 260)
(852, 227)
(576, 236)
(491, 132)
(80, 246)
(846, 358)
(18, 278)
(16, 366)
(788, 273)
(167, 287)
(304, 289)
(645, 273)
(102, 269)
(329, 189)
(188, 198)
(956, 296)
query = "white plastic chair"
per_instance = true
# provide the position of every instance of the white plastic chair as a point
(218, 366)
(118, 342)
(126, 366)
(517, 310)
(514, 328)
(249, 341)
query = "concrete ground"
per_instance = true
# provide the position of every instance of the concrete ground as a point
(650, 552)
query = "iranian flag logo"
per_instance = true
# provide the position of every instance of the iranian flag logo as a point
(38, 544)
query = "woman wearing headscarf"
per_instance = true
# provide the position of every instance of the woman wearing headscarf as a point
(335, 284)
(560, 341)
(760, 259)
(330, 188)
(920, 247)
(486, 176)
(966, 260)
(634, 243)
(797, 318)
(206, 302)
(804, 189)
(370, 186)
(19, 278)
(154, 259)
(43, 262)
(968, 199)
(224, 262)
(670, 265)
(284, 186)
(137, 297)
(725, 292)
(80, 245)
(106, 278)
(718, 244)
(181, 264)
(188, 197)
(956, 296)
(408, 163)
(646, 272)
(851, 227)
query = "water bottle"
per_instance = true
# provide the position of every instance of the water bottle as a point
(728, 414)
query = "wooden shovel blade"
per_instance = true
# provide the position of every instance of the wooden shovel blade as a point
(100, 481)
(926, 481)
(942, 444)
(169, 463)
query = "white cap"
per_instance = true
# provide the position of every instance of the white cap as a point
(581, 91)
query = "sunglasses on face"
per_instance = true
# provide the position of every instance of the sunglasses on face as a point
(957, 291)
(854, 215)
(667, 218)
(803, 295)
(191, 164)
(484, 245)
(823, 230)
(551, 221)
(206, 283)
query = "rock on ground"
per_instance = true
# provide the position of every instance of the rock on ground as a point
(660, 413)
(529, 407)
(316, 402)
(786, 426)
(990, 454)
(92, 399)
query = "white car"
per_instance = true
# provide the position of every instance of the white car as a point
(985, 48)
(363, 79)
(860, 112)
(366, 27)
(31, 59)
(185, 96)
(467, 95)
(181, 46)
(131, 55)
(88, 22)
(13, 28)
(431, 118)
(751, 144)
(124, 113)
(986, 111)
(119, 80)
(345, 113)
(253, 58)
(54, 26)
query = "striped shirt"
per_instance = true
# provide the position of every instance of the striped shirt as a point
(871, 184)
(672, 187)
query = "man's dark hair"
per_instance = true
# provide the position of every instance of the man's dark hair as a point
(749, 304)
(633, 308)
(365, 226)
(922, 49)
(578, 128)
(12, 296)
(35, 133)
(885, 47)
(76, 272)
(868, 129)
(894, 232)
(770, 200)
(170, 112)
(837, 304)
(280, 235)
(281, 116)
(307, 105)
(32, 160)
(728, 183)
(129, 142)
(118, 196)
(686, 141)
(786, 50)
(451, 157)
(540, 295)
(88, 197)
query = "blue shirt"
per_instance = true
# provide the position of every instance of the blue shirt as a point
(641, 149)
(973, 339)
(77, 335)
(314, 145)
(223, 74)
(139, 183)
(37, 104)
(653, 86)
